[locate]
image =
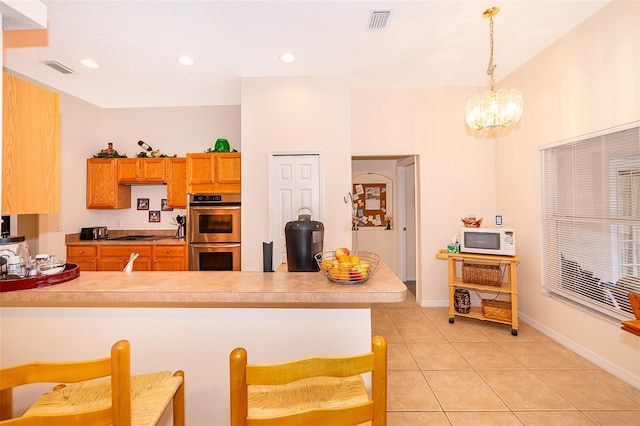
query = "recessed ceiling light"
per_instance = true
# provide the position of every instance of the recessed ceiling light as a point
(185, 60)
(89, 63)
(288, 57)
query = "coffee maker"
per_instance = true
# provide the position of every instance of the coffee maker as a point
(304, 238)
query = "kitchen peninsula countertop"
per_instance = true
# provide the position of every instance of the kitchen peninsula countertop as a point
(192, 320)
(210, 289)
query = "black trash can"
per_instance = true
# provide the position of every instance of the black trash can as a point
(303, 238)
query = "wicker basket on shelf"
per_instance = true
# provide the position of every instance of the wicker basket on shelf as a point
(496, 309)
(481, 274)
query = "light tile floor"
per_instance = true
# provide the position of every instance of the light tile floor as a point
(476, 373)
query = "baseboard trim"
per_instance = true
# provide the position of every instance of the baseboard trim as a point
(605, 364)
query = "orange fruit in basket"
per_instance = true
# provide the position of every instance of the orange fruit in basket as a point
(344, 268)
(326, 264)
(354, 259)
(333, 273)
(344, 259)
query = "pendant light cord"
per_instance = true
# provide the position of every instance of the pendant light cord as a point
(491, 66)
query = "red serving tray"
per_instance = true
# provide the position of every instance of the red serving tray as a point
(70, 272)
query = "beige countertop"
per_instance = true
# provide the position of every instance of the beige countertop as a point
(211, 289)
(165, 238)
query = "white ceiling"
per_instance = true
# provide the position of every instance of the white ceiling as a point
(426, 43)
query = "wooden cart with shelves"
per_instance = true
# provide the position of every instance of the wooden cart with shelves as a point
(508, 285)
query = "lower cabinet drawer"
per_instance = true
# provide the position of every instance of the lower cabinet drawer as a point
(124, 250)
(168, 251)
(82, 251)
(83, 256)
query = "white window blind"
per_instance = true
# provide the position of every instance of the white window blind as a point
(591, 221)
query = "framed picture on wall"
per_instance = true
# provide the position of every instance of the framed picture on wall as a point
(154, 216)
(143, 204)
(165, 206)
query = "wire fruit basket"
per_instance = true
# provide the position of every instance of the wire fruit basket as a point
(360, 267)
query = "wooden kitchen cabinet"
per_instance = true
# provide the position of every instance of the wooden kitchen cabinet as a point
(115, 257)
(105, 257)
(169, 258)
(103, 190)
(141, 170)
(177, 182)
(86, 257)
(213, 172)
(30, 148)
(227, 168)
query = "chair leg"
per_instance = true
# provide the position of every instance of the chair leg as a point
(178, 402)
(6, 404)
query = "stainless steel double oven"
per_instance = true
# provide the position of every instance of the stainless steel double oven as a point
(213, 230)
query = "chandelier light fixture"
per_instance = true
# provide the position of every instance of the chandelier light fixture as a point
(494, 109)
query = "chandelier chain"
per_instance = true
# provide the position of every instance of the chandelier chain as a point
(491, 66)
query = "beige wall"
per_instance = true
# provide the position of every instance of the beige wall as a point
(455, 170)
(587, 81)
(293, 115)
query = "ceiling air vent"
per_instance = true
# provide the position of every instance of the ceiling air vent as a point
(59, 67)
(378, 20)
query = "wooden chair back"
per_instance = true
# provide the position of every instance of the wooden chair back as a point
(374, 410)
(633, 326)
(634, 300)
(117, 366)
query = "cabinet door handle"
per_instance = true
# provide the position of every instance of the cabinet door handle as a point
(81, 251)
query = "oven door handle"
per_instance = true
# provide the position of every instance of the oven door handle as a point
(215, 245)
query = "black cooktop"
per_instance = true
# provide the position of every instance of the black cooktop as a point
(139, 237)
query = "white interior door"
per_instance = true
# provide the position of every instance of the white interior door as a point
(294, 184)
(410, 221)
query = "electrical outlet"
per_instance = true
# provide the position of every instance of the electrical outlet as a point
(61, 227)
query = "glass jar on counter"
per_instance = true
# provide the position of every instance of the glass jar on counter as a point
(15, 250)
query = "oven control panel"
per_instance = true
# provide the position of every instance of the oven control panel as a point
(198, 198)
(211, 199)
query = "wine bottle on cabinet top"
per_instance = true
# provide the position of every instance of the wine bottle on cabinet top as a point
(144, 145)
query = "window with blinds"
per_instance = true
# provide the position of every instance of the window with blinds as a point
(591, 220)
